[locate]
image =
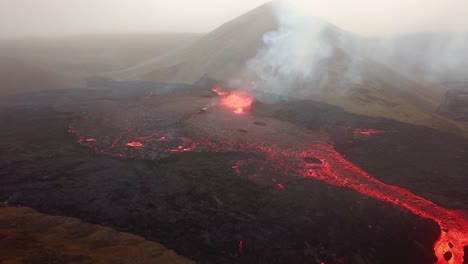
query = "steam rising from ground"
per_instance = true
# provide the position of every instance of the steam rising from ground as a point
(307, 55)
(301, 55)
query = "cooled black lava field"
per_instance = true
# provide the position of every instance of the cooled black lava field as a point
(286, 182)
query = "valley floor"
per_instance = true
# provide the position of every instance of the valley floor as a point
(195, 204)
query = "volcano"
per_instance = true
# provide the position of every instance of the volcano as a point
(215, 150)
(224, 53)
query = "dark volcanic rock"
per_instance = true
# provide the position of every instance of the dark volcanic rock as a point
(430, 163)
(196, 204)
(260, 123)
(172, 201)
(313, 160)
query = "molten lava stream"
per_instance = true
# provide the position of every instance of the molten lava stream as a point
(336, 170)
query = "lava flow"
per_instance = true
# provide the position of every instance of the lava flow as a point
(285, 151)
(336, 170)
(134, 144)
(333, 169)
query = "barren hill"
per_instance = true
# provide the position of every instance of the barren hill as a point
(85, 55)
(221, 54)
(48, 63)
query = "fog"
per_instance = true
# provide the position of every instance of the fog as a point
(389, 17)
(56, 17)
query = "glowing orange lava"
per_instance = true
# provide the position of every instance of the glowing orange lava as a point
(87, 140)
(336, 170)
(239, 110)
(237, 101)
(134, 144)
(319, 161)
(279, 186)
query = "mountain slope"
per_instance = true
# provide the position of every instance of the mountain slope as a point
(36, 64)
(86, 55)
(224, 54)
(221, 53)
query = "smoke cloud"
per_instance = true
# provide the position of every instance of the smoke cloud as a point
(304, 55)
(307, 55)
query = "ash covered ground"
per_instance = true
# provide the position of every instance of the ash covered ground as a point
(292, 181)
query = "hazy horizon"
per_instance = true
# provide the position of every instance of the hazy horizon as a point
(35, 18)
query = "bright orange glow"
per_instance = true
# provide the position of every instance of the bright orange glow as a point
(134, 144)
(239, 111)
(162, 139)
(449, 247)
(238, 102)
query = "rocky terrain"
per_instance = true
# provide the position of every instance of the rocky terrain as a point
(197, 204)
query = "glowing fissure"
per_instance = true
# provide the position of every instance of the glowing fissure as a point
(319, 161)
(134, 144)
(155, 141)
(369, 132)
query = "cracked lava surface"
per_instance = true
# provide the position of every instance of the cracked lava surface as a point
(163, 124)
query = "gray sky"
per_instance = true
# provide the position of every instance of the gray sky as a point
(368, 17)
(388, 17)
(37, 17)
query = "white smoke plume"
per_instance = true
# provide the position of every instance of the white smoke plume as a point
(306, 55)
(303, 56)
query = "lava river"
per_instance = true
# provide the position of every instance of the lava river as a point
(159, 126)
